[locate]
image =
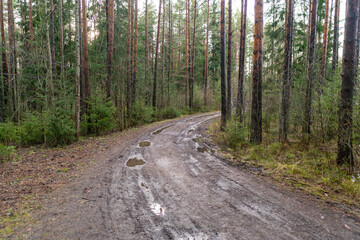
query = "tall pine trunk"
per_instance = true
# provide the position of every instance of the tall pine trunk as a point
(85, 55)
(146, 49)
(31, 26)
(110, 40)
(222, 65)
(336, 36)
(325, 42)
(128, 72)
(310, 78)
(240, 95)
(52, 42)
(133, 87)
(61, 36)
(5, 71)
(186, 54)
(162, 58)
(78, 68)
(287, 80)
(156, 56)
(12, 94)
(345, 154)
(256, 104)
(191, 85)
(169, 55)
(228, 87)
(206, 54)
(189, 53)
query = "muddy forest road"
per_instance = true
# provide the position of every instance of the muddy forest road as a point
(163, 185)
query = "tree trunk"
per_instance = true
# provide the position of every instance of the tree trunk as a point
(162, 58)
(256, 104)
(310, 79)
(186, 53)
(128, 72)
(61, 36)
(31, 27)
(133, 95)
(206, 54)
(325, 42)
(222, 65)
(12, 63)
(189, 53)
(345, 154)
(287, 81)
(78, 68)
(110, 40)
(191, 85)
(82, 87)
(86, 55)
(146, 49)
(169, 55)
(156, 56)
(52, 42)
(336, 36)
(228, 100)
(5, 71)
(240, 96)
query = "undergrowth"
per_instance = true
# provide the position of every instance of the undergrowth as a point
(311, 168)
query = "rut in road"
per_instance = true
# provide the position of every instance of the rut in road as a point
(179, 189)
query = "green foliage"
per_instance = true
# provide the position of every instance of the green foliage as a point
(9, 133)
(141, 114)
(101, 114)
(32, 130)
(60, 130)
(168, 113)
(234, 134)
(6, 152)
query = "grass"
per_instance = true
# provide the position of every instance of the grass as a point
(311, 168)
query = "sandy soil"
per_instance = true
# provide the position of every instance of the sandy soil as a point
(164, 182)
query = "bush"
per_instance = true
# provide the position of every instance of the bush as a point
(169, 113)
(6, 153)
(141, 114)
(60, 129)
(100, 117)
(234, 133)
(9, 133)
(32, 130)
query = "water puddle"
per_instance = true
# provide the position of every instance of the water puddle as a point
(157, 209)
(133, 162)
(144, 144)
(161, 129)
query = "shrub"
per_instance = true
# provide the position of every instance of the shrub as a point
(100, 117)
(9, 133)
(32, 130)
(60, 129)
(234, 133)
(6, 152)
(141, 114)
(169, 113)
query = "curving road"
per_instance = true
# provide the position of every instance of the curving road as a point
(168, 185)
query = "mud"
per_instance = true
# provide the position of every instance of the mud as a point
(181, 193)
(144, 144)
(133, 162)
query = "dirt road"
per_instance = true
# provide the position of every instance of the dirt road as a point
(164, 183)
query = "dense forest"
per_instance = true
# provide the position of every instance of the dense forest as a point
(73, 68)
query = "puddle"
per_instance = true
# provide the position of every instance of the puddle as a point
(201, 149)
(133, 162)
(157, 209)
(144, 144)
(161, 129)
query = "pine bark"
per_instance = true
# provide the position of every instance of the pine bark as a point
(156, 56)
(191, 85)
(61, 36)
(128, 72)
(133, 95)
(287, 80)
(169, 67)
(256, 104)
(5, 71)
(345, 154)
(78, 68)
(240, 95)
(186, 54)
(52, 42)
(336, 36)
(146, 48)
(162, 58)
(189, 54)
(310, 79)
(325, 42)
(110, 41)
(31, 26)
(206, 54)
(222, 66)
(228, 87)
(85, 55)
(12, 64)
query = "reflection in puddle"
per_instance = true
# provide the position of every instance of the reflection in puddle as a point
(157, 209)
(133, 162)
(161, 129)
(144, 144)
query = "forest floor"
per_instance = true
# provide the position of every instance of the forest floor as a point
(162, 181)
